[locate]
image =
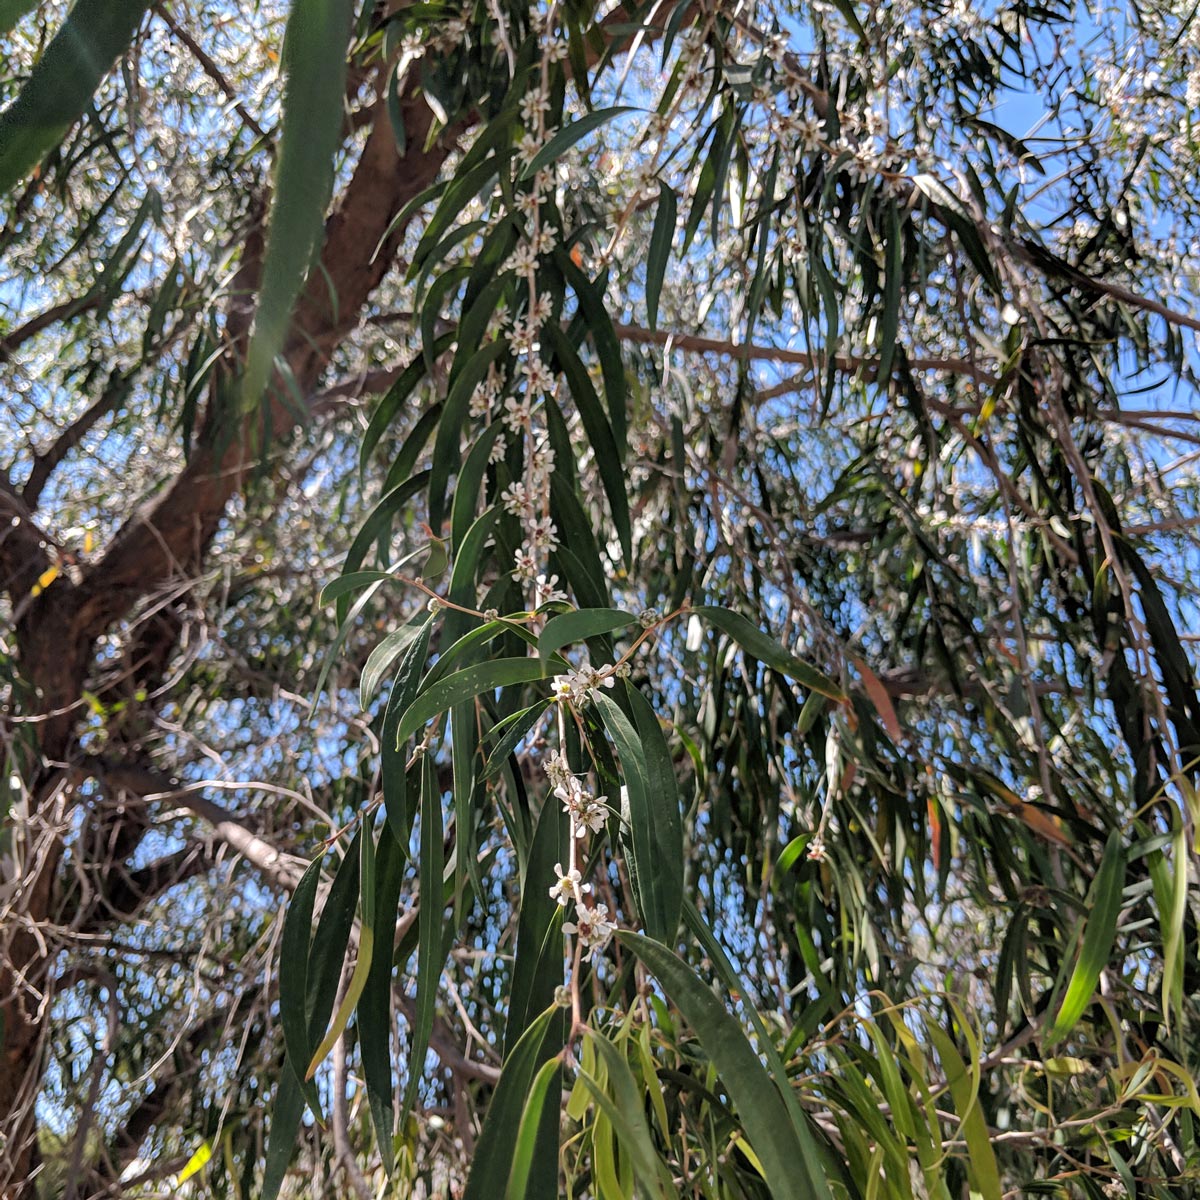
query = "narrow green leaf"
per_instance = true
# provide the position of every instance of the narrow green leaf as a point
(494, 1150)
(789, 1157)
(293, 975)
(1104, 907)
(374, 1018)
(768, 651)
(600, 329)
(566, 137)
(981, 1161)
(655, 836)
(516, 731)
(599, 432)
(389, 407)
(527, 1131)
(286, 1114)
(314, 64)
(466, 487)
(576, 626)
(366, 945)
(386, 653)
(429, 931)
(329, 943)
(538, 966)
(466, 685)
(661, 238)
(446, 453)
(626, 1111)
(893, 283)
(63, 80)
(393, 756)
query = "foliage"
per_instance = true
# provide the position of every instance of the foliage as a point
(756, 734)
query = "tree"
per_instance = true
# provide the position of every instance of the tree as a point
(776, 727)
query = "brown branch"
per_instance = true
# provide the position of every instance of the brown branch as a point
(57, 312)
(170, 535)
(748, 351)
(210, 69)
(44, 464)
(23, 545)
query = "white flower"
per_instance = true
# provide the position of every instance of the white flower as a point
(543, 534)
(540, 313)
(516, 500)
(499, 450)
(523, 259)
(481, 401)
(547, 590)
(578, 682)
(590, 814)
(541, 464)
(528, 203)
(528, 147)
(533, 105)
(517, 412)
(556, 50)
(558, 771)
(526, 565)
(538, 375)
(570, 886)
(592, 927)
(546, 240)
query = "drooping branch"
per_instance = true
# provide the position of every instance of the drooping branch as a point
(751, 352)
(63, 311)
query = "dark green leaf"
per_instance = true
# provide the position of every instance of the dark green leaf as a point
(430, 959)
(788, 1155)
(599, 432)
(566, 137)
(655, 835)
(579, 625)
(660, 249)
(466, 685)
(768, 651)
(63, 81)
(314, 64)
(494, 1150)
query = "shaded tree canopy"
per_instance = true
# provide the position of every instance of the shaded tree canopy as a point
(598, 600)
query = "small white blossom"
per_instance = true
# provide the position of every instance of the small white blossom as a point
(523, 259)
(517, 412)
(592, 927)
(538, 375)
(516, 500)
(546, 240)
(528, 147)
(556, 50)
(533, 105)
(547, 591)
(558, 771)
(544, 534)
(578, 682)
(570, 886)
(590, 813)
(526, 565)
(499, 450)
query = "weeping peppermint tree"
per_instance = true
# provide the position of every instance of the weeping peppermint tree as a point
(797, 722)
(779, 585)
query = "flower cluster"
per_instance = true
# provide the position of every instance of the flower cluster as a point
(592, 927)
(587, 813)
(579, 682)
